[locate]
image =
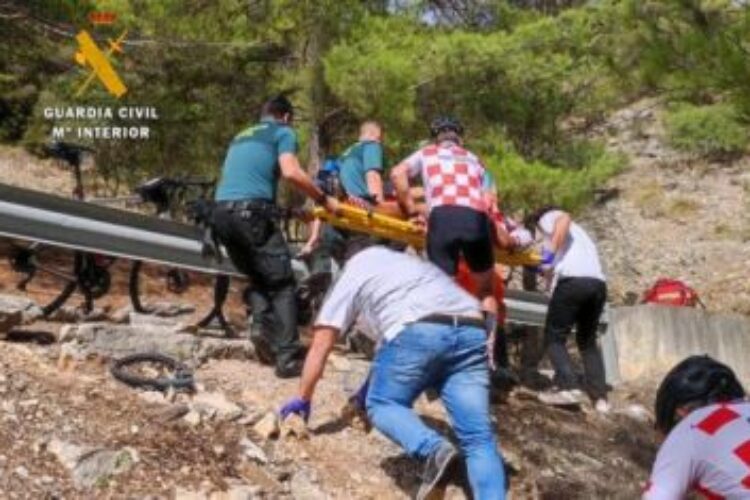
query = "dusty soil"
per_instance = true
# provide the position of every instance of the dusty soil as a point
(672, 215)
(558, 454)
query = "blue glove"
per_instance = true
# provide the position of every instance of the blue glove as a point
(297, 406)
(548, 257)
(359, 398)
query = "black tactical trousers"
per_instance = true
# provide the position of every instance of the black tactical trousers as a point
(257, 247)
(576, 302)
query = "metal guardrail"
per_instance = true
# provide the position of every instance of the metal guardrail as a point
(34, 216)
(56, 221)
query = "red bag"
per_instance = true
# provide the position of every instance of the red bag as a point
(669, 292)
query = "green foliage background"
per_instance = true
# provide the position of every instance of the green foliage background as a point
(528, 78)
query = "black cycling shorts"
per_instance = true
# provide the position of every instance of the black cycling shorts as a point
(455, 231)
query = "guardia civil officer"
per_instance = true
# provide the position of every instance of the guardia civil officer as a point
(246, 223)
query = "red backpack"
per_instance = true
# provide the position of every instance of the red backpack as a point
(669, 292)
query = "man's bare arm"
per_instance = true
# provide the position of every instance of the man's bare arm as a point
(503, 238)
(324, 338)
(400, 179)
(292, 172)
(560, 232)
(375, 185)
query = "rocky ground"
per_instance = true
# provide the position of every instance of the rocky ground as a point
(672, 215)
(69, 430)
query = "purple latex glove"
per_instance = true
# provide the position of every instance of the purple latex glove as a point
(298, 406)
(548, 257)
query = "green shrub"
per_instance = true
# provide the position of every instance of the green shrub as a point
(529, 185)
(706, 130)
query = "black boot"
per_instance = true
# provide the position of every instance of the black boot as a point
(290, 369)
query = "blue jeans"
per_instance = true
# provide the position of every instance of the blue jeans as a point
(453, 361)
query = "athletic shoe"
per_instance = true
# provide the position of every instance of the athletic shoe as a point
(573, 397)
(435, 470)
(602, 406)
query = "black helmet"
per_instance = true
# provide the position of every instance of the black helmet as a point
(696, 381)
(444, 123)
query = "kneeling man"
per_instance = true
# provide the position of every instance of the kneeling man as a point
(432, 336)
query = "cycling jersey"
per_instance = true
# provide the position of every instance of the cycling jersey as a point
(707, 452)
(451, 175)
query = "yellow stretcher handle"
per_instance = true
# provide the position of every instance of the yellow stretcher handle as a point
(384, 226)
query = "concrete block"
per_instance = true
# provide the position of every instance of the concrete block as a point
(651, 339)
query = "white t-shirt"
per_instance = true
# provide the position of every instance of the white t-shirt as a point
(388, 290)
(708, 452)
(578, 257)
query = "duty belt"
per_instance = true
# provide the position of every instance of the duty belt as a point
(263, 207)
(452, 320)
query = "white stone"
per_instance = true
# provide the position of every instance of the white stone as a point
(268, 426)
(192, 417)
(253, 451)
(216, 403)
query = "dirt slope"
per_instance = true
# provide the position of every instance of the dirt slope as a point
(670, 215)
(558, 454)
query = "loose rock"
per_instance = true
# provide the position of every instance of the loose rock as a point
(268, 426)
(302, 488)
(154, 397)
(193, 417)
(294, 426)
(89, 465)
(212, 404)
(253, 451)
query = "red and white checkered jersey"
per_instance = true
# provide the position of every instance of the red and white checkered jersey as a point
(707, 452)
(451, 175)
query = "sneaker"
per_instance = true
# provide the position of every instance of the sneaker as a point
(290, 369)
(435, 470)
(602, 406)
(573, 397)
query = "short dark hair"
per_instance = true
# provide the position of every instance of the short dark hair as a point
(532, 219)
(278, 107)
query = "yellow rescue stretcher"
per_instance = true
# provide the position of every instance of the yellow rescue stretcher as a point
(391, 228)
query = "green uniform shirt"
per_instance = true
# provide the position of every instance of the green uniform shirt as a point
(251, 167)
(355, 162)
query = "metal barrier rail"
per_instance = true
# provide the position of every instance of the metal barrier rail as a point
(31, 215)
(34, 216)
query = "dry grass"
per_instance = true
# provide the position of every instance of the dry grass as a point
(20, 168)
(682, 207)
(649, 197)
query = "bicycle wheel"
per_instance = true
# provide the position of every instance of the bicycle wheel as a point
(152, 371)
(151, 283)
(153, 289)
(48, 269)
